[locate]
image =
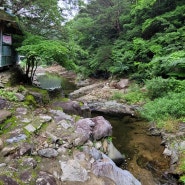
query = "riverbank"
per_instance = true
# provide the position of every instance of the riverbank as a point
(42, 144)
(32, 117)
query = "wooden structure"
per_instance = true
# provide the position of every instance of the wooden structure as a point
(8, 27)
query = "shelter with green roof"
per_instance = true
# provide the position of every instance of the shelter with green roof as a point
(8, 26)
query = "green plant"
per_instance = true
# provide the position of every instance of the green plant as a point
(119, 96)
(30, 100)
(159, 87)
(172, 105)
(8, 95)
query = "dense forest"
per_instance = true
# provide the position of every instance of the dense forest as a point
(143, 40)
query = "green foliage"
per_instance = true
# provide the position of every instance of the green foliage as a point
(48, 51)
(9, 95)
(118, 96)
(171, 105)
(30, 100)
(159, 87)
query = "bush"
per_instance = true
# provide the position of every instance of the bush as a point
(160, 87)
(172, 105)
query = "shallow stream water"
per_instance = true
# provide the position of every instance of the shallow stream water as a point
(144, 158)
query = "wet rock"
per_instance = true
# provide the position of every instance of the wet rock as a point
(1, 144)
(16, 139)
(73, 171)
(48, 152)
(4, 114)
(7, 180)
(20, 96)
(107, 168)
(45, 178)
(102, 128)
(115, 155)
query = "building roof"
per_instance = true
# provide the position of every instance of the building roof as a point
(10, 21)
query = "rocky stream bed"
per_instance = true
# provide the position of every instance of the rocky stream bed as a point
(48, 141)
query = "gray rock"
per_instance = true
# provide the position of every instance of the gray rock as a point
(26, 176)
(84, 129)
(21, 111)
(73, 171)
(112, 107)
(70, 107)
(16, 139)
(25, 149)
(107, 168)
(20, 96)
(1, 144)
(182, 145)
(84, 90)
(7, 180)
(45, 178)
(114, 154)
(3, 103)
(123, 83)
(30, 128)
(4, 114)
(8, 150)
(48, 152)
(29, 162)
(167, 152)
(45, 118)
(102, 128)
(60, 115)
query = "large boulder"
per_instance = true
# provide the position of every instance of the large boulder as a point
(84, 130)
(70, 107)
(102, 128)
(113, 107)
(107, 168)
(73, 171)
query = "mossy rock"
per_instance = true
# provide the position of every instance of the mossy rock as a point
(40, 96)
(30, 100)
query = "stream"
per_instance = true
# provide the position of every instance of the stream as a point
(143, 152)
(144, 158)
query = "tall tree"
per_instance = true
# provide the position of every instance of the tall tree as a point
(42, 17)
